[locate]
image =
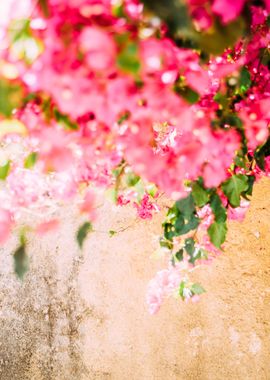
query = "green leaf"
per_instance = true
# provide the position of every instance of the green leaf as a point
(164, 243)
(188, 94)
(119, 11)
(190, 246)
(265, 56)
(128, 59)
(201, 254)
(197, 289)
(112, 194)
(179, 254)
(31, 160)
(82, 233)
(21, 261)
(169, 231)
(173, 261)
(112, 233)
(200, 195)
(181, 289)
(244, 80)
(218, 210)
(240, 160)
(190, 249)
(11, 96)
(183, 226)
(233, 120)
(251, 180)
(191, 224)
(217, 233)
(233, 188)
(4, 170)
(186, 206)
(65, 120)
(262, 152)
(181, 218)
(178, 224)
(117, 171)
(19, 29)
(132, 179)
(29, 97)
(221, 99)
(125, 116)
(152, 190)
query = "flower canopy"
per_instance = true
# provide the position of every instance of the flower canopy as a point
(145, 98)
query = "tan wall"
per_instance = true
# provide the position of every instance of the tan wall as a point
(78, 318)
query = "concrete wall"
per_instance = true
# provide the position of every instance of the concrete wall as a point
(79, 317)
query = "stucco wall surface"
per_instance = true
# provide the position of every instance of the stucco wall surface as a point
(82, 316)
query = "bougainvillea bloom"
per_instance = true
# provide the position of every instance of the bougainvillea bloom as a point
(119, 96)
(6, 224)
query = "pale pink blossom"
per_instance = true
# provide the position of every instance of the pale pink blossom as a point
(228, 10)
(98, 47)
(238, 213)
(6, 224)
(89, 205)
(47, 226)
(162, 286)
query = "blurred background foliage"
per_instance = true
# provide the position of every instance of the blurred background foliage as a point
(176, 16)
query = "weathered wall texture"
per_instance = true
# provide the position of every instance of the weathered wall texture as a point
(84, 317)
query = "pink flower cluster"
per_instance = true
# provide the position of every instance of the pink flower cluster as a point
(106, 86)
(146, 207)
(203, 11)
(163, 285)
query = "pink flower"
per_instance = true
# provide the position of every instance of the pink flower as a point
(228, 10)
(122, 200)
(6, 224)
(89, 205)
(136, 113)
(159, 57)
(145, 207)
(63, 186)
(26, 186)
(46, 227)
(255, 116)
(154, 300)
(99, 48)
(209, 247)
(53, 150)
(202, 18)
(267, 5)
(161, 287)
(195, 298)
(206, 216)
(199, 80)
(134, 9)
(238, 213)
(214, 174)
